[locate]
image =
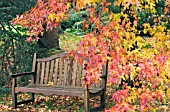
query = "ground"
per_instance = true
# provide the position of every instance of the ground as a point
(52, 103)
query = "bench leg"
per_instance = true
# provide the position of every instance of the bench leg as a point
(32, 97)
(14, 95)
(14, 100)
(87, 99)
(86, 105)
(102, 101)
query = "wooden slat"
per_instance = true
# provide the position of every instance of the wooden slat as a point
(56, 71)
(65, 72)
(47, 72)
(74, 76)
(42, 72)
(52, 91)
(80, 74)
(60, 71)
(51, 71)
(53, 57)
(105, 72)
(34, 68)
(93, 85)
(14, 95)
(98, 83)
(58, 90)
(38, 73)
(34, 63)
(83, 73)
(70, 73)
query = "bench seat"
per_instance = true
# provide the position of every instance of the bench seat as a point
(58, 90)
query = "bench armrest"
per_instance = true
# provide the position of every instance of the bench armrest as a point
(103, 76)
(21, 74)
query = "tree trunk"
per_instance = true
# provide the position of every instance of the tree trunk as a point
(50, 38)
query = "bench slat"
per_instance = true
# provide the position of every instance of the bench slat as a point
(34, 62)
(38, 73)
(51, 71)
(65, 72)
(60, 72)
(51, 91)
(47, 72)
(70, 73)
(57, 90)
(74, 76)
(56, 71)
(53, 57)
(42, 73)
(80, 74)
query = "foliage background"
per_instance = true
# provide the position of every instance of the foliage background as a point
(133, 35)
(14, 50)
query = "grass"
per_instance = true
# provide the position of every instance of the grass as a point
(67, 42)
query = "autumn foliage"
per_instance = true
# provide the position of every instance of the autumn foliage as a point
(44, 16)
(139, 66)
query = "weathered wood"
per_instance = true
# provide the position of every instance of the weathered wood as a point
(21, 74)
(102, 100)
(34, 62)
(38, 73)
(66, 75)
(59, 55)
(70, 73)
(79, 74)
(52, 91)
(92, 90)
(14, 94)
(51, 71)
(42, 72)
(105, 72)
(65, 72)
(47, 72)
(93, 85)
(95, 93)
(98, 83)
(60, 72)
(74, 75)
(104, 82)
(56, 71)
(86, 99)
(32, 97)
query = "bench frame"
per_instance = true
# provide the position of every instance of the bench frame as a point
(86, 95)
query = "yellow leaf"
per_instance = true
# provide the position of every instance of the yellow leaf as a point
(127, 35)
(146, 6)
(68, 5)
(125, 15)
(168, 93)
(51, 17)
(145, 31)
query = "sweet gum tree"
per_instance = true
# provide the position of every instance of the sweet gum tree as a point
(142, 63)
(138, 66)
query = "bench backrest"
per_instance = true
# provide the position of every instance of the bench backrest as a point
(60, 70)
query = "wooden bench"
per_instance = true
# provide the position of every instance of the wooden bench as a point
(65, 74)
